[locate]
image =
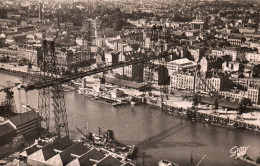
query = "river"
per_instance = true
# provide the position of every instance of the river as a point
(160, 135)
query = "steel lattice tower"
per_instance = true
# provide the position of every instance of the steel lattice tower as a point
(49, 71)
(160, 37)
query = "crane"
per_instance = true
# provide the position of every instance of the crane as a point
(50, 86)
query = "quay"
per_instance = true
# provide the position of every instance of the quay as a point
(193, 114)
(15, 72)
(214, 119)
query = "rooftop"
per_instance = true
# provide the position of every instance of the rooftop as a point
(88, 158)
(23, 118)
(109, 161)
(6, 128)
(123, 82)
(48, 151)
(66, 157)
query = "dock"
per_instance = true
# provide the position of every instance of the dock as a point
(214, 119)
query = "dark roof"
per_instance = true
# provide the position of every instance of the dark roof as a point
(24, 118)
(207, 100)
(6, 128)
(92, 154)
(221, 102)
(109, 161)
(126, 83)
(31, 150)
(60, 144)
(77, 149)
(229, 104)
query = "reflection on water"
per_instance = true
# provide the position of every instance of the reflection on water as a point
(159, 134)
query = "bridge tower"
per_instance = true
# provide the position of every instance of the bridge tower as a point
(53, 95)
(160, 38)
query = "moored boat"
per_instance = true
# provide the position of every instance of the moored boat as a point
(132, 102)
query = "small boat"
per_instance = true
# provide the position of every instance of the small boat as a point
(133, 102)
(166, 163)
(232, 124)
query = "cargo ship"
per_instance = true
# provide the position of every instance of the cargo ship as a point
(107, 141)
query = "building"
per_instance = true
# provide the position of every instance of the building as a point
(235, 41)
(7, 132)
(63, 151)
(253, 94)
(126, 70)
(62, 58)
(235, 95)
(247, 82)
(4, 51)
(217, 53)
(198, 23)
(26, 123)
(29, 53)
(182, 81)
(109, 160)
(183, 64)
(252, 56)
(187, 81)
(150, 75)
(231, 66)
(210, 62)
(88, 158)
(7, 22)
(69, 59)
(235, 53)
(210, 84)
(47, 152)
(195, 53)
(68, 155)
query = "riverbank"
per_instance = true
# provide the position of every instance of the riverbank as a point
(246, 120)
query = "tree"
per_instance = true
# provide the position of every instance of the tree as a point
(3, 13)
(138, 79)
(195, 100)
(256, 71)
(117, 76)
(243, 104)
(18, 142)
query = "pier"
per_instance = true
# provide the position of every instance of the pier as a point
(213, 119)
